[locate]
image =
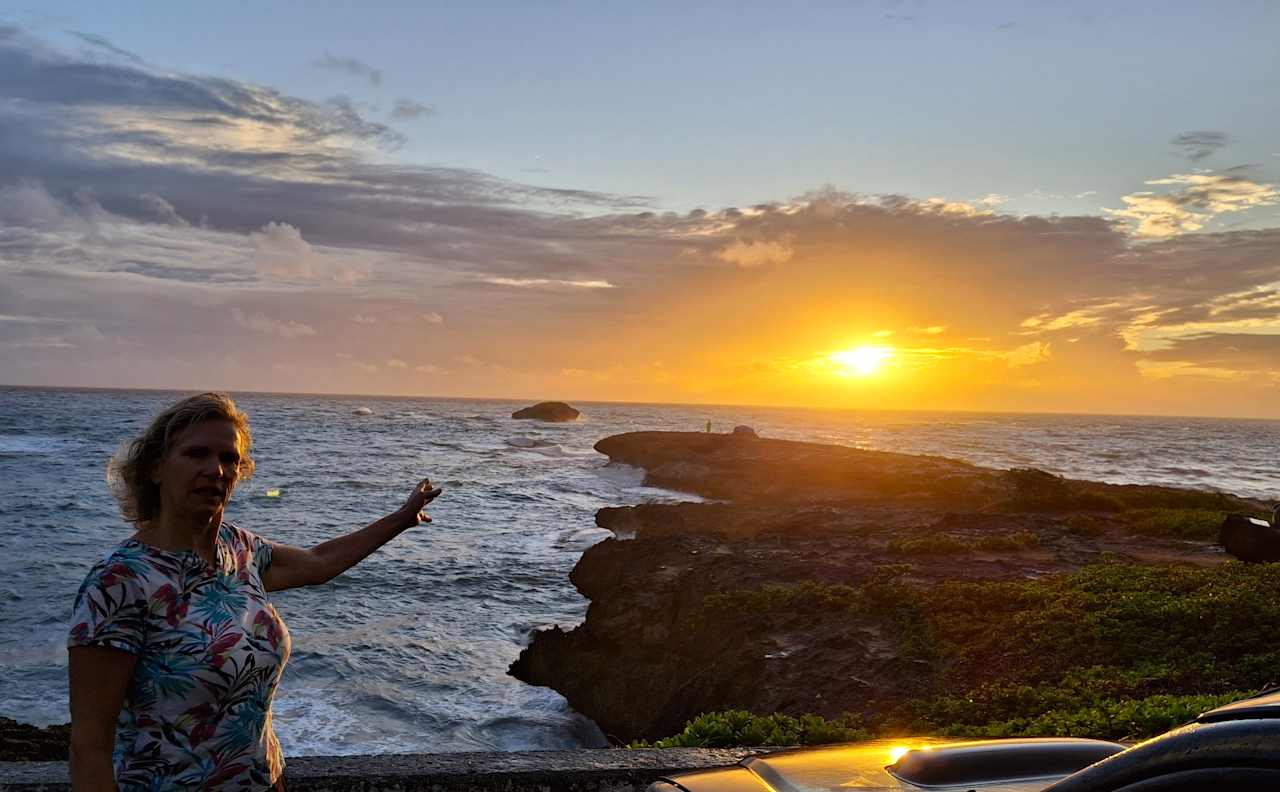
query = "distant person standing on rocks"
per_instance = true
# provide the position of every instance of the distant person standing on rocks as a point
(175, 651)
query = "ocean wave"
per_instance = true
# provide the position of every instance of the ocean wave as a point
(535, 444)
(359, 484)
(32, 444)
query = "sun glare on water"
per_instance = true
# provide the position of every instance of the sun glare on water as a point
(863, 361)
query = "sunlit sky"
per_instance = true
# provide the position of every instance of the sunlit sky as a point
(983, 206)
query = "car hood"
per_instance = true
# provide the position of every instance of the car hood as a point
(989, 766)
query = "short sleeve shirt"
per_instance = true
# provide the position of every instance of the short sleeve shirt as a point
(210, 650)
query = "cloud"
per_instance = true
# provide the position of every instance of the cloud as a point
(1090, 316)
(1198, 145)
(351, 66)
(102, 43)
(75, 337)
(28, 204)
(1028, 354)
(1197, 198)
(526, 283)
(431, 317)
(755, 254)
(281, 251)
(1220, 356)
(944, 206)
(409, 110)
(259, 323)
(162, 210)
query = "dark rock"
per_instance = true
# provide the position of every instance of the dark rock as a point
(650, 655)
(1250, 539)
(547, 411)
(20, 742)
(743, 431)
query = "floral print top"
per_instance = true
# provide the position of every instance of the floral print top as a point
(210, 650)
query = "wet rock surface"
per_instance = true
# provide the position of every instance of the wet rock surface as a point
(651, 654)
(22, 743)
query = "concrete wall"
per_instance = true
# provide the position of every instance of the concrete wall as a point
(600, 770)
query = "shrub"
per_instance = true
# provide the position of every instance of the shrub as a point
(1085, 525)
(947, 544)
(1200, 524)
(1110, 719)
(806, 596)
(1036, 490)
(1018, 540)
(740, 728)
(938, 544)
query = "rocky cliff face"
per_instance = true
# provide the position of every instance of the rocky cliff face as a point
(657, 648)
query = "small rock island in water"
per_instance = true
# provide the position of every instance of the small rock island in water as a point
(547, 411)
(905, 594)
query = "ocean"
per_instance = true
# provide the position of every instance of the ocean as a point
(408, 651)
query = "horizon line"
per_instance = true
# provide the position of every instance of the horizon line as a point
(517, 399)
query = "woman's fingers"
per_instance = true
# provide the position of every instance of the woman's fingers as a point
(423, 494)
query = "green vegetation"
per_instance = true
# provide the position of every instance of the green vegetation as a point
(737, 727)
(1085, 525)
(948, 544)
(1198, 524)
(1035, 490)
(1107, 719)
(807, 596)
(1115, 651)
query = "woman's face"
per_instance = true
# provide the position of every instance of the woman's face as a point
(199, 471)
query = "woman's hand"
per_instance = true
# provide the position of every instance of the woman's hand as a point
(412, 511)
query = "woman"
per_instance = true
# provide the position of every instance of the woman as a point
(175, 652)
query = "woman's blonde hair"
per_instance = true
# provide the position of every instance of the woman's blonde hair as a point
(129, 471)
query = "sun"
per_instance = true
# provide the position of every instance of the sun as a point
(863, 361)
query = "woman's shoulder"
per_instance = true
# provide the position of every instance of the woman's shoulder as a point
(128, 564)
(239, 537)
(245, 548)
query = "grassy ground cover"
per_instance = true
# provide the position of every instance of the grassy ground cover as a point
(1113, 650)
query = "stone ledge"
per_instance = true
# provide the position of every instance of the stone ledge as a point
(589, 770)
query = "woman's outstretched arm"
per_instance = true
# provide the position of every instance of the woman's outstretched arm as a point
(296, 566)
